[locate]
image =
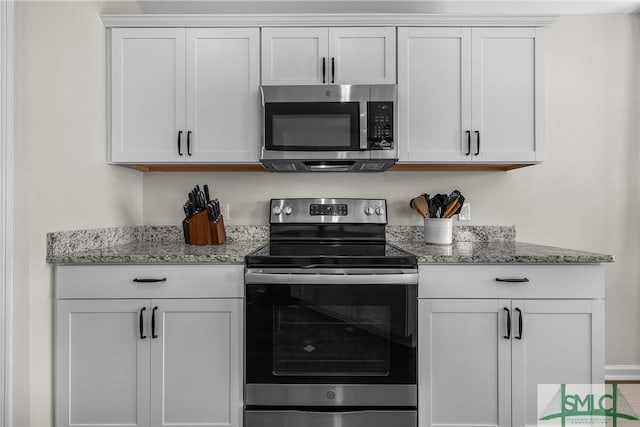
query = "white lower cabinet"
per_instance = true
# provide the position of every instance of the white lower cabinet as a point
(481, 359)
(148, 362)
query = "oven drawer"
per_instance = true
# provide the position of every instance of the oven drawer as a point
(289, 418)
(511, 281)
(405, 395)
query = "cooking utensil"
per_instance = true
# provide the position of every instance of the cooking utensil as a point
(419, 204)
(449, 211)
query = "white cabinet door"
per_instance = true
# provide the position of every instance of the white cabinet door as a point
(562, 342)
(362, 55)
(147, 94)
(102, 364)
(470, 95)
(434, 94)
(507, 94)
(196, 363)
(307, 56)
(464, 367)
(223, 75)
(294, 56)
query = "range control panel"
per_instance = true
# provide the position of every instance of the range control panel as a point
(333, 210)
(318, 211)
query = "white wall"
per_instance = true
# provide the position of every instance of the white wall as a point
(585, 196)
(62, 181)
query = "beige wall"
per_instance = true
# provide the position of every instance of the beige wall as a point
(62, 181)
(585, 196)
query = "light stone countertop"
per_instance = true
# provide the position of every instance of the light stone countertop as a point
(164, 245)
(499, 252)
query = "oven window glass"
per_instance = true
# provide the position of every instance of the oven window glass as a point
(331, 340)
(330, 333)
(318, 126)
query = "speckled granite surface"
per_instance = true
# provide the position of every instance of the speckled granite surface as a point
(64, 242)
(164, 244)
(150, 244)
(499, 252)
(162, 252)
(461, 233)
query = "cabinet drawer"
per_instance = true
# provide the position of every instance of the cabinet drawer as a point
(543, 281)
(117, 281)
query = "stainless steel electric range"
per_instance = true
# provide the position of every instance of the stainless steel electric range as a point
(330, 319)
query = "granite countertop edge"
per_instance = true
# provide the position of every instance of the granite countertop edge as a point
(162, 245)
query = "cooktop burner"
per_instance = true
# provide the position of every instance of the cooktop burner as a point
(349, 233)
(352, 255)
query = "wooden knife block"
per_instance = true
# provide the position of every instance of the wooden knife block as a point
(200, 230)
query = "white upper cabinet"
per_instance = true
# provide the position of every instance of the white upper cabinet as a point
(147, 93)
(362, 55)
(184, 95)
(470, 95)
(294, 56)
(507, 94)
(304, 56)
(434, 92)
(223, 75)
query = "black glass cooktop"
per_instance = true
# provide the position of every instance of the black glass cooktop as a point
(345, 255)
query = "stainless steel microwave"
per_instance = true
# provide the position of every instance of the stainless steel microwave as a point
(335, 128)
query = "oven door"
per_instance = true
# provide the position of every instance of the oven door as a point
(331, 339)
(314, 126)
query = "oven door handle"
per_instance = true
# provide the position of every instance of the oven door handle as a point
(330, 279)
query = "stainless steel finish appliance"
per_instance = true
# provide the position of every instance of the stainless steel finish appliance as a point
(330, 319)
(335, 128)
(365, 418)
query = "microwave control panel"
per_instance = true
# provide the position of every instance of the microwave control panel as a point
(380, 125)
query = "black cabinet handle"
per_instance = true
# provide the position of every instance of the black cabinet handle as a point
(522, 280)
(141, 323)
(189, 142)
(164, 279)
(179, 142)
(519, 337)
(468, 143)
(333, 70)
(478, 138)
(153, 323)
(324, 69)
(508, 336)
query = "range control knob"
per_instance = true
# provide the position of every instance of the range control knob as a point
(287, 210)
(277, 210)
(368, 210)
(379, 211)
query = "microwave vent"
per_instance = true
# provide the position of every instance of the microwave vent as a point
(284, 167)
(373, 166)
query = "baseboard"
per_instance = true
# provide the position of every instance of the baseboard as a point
(622, 372)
